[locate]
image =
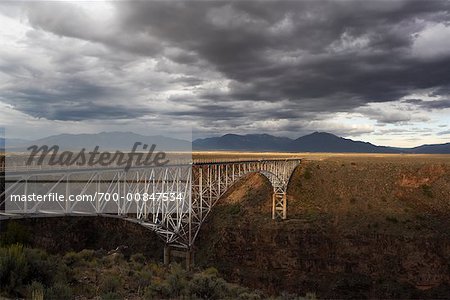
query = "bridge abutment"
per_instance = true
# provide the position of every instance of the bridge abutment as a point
(170, 253)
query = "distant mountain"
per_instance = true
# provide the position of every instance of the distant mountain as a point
(9, 141)
(105, 140)
(315, 142)
(327, 142)
(432, 149)
(5, 142)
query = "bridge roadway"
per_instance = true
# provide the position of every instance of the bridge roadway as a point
(197, 187)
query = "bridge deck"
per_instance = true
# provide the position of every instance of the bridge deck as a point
(58, 170)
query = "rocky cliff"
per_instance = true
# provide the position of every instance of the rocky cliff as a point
(357, 227)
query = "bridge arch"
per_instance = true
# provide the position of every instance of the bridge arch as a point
(211, 180)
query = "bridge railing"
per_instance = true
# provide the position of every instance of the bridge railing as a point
(207, 161)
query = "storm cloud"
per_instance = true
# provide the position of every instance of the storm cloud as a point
(257, 66)
(321, 56)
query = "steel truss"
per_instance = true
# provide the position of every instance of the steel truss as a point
(197, 188)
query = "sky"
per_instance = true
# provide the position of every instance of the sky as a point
(377, 71)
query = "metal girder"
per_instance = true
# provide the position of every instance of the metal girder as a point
(177, 222)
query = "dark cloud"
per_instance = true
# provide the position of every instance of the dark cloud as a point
(442, 91)
(314, 57)
(386, 116)
(73, 100)
(321, 55)
(430, 104)
(73, 21)
(188, 80)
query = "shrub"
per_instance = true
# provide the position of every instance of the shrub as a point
(86, 254)
(211, 271)
(307, 174)
(71, 258)
(176, 281)
(110, 284)
(36, 291)
(59, 291)
(310, 296)
(157, 289)
(13, 267)
(45, 268)
(426, 190)
(233, 209)
(20, 266)
(83, 258)
(207, 285)
(249, 296)
(235, 291)
(138, 258)
(111, 296)
(139, 280)
(15, 233)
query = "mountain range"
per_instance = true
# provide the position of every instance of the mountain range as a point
(123, 141)
(315, 142)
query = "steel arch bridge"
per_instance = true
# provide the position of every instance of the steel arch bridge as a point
(198, 187)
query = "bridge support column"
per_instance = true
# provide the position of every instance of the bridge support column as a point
(187, 254)
(166, 255)
(279, 206)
